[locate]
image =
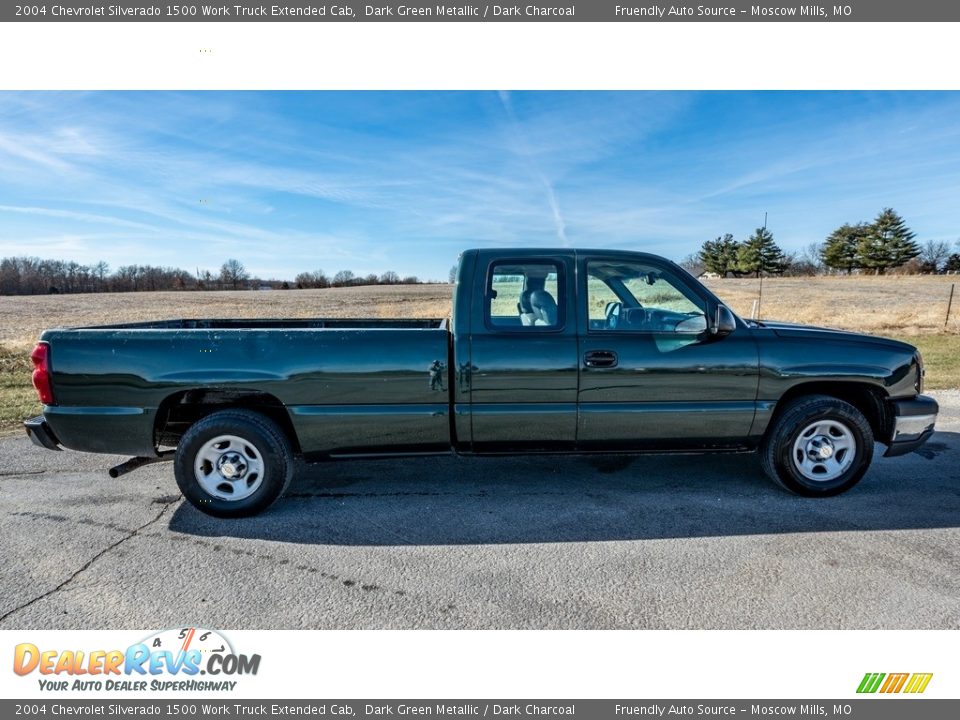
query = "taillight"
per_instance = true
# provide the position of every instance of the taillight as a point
(41, 373)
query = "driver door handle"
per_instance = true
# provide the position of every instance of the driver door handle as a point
(600, 359)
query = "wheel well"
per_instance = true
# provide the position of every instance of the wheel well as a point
(869, 400)
(181, 410)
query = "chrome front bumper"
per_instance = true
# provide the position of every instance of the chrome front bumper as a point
(913, 424)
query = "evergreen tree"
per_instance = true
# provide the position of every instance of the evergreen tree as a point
(953, 263)
(873, 254)
(760, 254)
(720, 255)
(889, 243)
(841, 250)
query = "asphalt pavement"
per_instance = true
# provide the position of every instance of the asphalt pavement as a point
(447, 542)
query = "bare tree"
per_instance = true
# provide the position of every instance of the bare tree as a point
(389, 278)
(693, 264)
(232, 273)
(800, 264)
(99, 272)
(344, 277)
(812, 256)
(932, 255)
(314, 279)
(11, 277)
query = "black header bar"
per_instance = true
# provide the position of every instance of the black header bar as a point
(422, 11)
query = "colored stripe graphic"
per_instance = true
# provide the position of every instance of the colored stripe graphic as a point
(870, 682)
(894, 683)
(918, 682)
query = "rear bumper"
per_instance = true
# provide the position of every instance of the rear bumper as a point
(41, 434)
(912, 424)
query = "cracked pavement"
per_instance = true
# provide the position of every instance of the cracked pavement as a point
(527, 542)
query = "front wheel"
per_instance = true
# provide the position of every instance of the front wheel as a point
(818, 446)
(233, 463)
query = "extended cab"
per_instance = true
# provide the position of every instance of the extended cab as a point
(547, 351)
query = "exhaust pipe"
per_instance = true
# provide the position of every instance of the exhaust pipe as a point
(138, 462)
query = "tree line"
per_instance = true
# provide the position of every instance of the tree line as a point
(36, 276)
(346, 278)
(877, 247)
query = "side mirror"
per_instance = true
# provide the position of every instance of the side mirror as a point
(724, 323)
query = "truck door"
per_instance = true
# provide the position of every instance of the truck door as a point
(651, 373)
(523, 356)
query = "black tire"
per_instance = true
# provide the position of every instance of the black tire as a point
(256, 442)
(786, 463)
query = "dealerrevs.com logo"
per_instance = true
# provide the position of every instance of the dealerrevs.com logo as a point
(885, 683)
(168, 660)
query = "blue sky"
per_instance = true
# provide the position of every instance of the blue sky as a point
(375, 181)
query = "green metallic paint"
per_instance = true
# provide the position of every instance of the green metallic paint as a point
(346, 429)
(299, 367)
(789, 360)
(356, 387)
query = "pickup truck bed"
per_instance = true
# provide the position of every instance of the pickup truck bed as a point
(328, 377)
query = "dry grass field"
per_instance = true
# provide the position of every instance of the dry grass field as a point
(884, 305)
(911, 308)
(23, 318)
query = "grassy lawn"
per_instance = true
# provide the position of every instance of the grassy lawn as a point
(17, 397)
(941, 358)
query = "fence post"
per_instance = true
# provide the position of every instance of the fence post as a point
(949, 305)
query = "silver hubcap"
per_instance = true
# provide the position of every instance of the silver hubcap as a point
(229, 467)
(824, 450)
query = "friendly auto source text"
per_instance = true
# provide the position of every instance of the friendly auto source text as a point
(661, 11)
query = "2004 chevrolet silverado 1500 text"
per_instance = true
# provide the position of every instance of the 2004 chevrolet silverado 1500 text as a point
(548, 351)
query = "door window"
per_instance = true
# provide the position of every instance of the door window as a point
(638, 297)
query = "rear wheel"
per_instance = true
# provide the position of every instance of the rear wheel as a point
(818, 446)
(233, 463)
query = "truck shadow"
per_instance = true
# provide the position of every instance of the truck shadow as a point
(545, 499)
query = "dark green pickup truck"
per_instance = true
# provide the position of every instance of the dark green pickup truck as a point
(547, 351)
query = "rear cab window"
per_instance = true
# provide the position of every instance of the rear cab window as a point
(525, 296)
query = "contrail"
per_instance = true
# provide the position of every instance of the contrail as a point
(559, 224)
